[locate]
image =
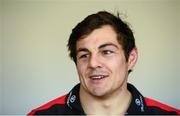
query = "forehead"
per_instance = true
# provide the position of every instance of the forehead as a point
(105, 34)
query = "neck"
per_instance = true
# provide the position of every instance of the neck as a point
(113, 104)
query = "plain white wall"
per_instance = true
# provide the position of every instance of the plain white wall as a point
(36, 66)
(1, 55)
(178, 61)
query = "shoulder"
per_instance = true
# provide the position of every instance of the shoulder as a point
(157, 107)
(141, 104)
(50, 106)
(65, 105)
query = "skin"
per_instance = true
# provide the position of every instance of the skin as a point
(103, 72)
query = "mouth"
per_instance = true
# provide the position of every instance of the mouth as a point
(98, 77)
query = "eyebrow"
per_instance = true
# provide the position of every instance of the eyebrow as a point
(107, 44)
(100, 47)
(82, 50)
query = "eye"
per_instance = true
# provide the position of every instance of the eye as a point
(107, 52)
(83, 56)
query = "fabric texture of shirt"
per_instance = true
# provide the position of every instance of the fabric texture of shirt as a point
(69, 104)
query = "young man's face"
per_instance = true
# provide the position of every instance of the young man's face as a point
(101, 63)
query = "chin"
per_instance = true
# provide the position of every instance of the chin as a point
(98, 93)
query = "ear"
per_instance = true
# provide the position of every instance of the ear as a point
(133, 56)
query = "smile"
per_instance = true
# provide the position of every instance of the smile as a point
(98, 77)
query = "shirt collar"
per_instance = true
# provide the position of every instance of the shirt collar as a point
(137, 105)
(73, 100)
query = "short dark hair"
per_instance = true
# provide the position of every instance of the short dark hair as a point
(125, 35)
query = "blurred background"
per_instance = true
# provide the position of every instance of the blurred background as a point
(34, 63)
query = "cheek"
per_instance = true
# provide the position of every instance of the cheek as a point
(117, 65)
(80, 69)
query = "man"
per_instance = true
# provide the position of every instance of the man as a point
(103, 49)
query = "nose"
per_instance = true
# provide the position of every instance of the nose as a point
(95, 62)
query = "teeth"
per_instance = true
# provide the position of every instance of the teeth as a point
(97, 77)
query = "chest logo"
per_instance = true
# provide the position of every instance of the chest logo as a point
(138, 102)
(73, 98)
